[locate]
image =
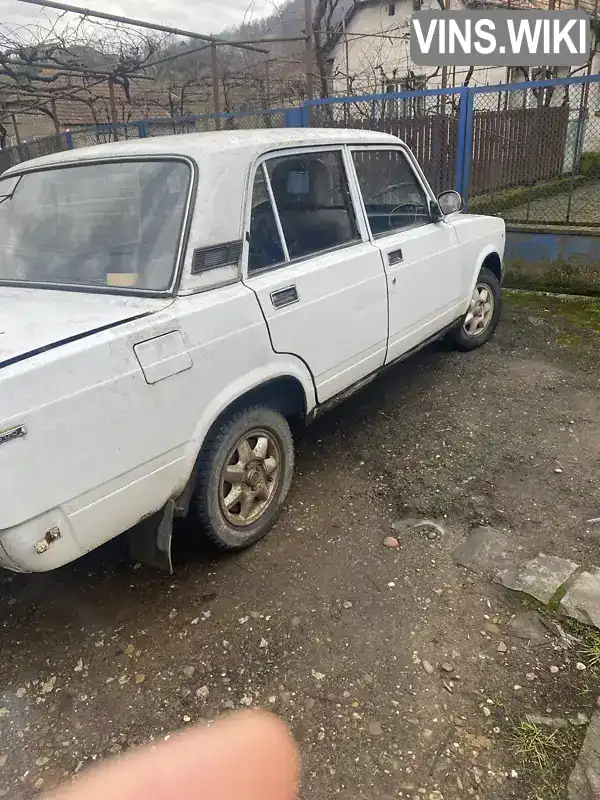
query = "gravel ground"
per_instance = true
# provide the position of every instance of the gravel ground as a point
(393, 667)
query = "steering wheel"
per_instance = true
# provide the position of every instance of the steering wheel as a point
(408, 210)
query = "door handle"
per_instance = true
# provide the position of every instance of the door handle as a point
(284, 297)
(394, 257)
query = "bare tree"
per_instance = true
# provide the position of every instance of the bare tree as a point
(42, 62)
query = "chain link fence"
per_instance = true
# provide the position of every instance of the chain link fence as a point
(535, 156)
(528, 152)
(103, 134)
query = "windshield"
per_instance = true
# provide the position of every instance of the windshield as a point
(113, 224)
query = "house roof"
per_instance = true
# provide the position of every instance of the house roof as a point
(91, 105)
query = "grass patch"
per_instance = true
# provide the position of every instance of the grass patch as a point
(590, 650)
(546, 758)
(534, 744)
(504, 200)
(583, 312)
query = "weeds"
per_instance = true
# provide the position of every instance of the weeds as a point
(533, 744)
(590, 650)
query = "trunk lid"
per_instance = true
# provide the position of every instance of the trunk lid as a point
(34, 320)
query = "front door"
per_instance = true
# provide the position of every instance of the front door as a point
(319, 280)
(421, 258)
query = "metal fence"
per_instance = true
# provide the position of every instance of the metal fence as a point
(529, 152)
(140, 129)
(542, 170)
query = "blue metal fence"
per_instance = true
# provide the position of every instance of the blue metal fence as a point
(529, 151)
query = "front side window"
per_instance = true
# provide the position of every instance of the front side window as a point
(393, 197)
(116, 224)
(313, 202)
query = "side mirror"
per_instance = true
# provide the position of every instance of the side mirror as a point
(450, 202)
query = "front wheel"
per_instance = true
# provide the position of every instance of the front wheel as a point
(481, 320)
(244, 474)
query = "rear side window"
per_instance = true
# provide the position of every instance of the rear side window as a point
(393, 197)
(313, 205)
(266, 249)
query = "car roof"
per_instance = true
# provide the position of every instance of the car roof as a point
(248, 144)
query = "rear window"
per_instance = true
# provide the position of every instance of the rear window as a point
(116, 224)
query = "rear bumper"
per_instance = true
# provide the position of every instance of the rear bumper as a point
(39, 545)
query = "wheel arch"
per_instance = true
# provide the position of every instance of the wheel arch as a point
(489, 258)
(493, 262)
(290, 390)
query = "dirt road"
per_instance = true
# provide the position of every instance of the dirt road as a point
(393, 667)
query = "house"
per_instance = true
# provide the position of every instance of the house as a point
(369, 50)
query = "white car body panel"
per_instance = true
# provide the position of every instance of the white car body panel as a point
(341, 311)
(106, 398)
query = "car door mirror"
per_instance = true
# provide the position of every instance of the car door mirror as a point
(450, 202)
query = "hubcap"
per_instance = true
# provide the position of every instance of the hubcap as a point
(480, 311)
(250, 478)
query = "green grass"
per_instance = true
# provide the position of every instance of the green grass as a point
(545, 758)
(590, 650)
(505, 199)
(583, 312)
(534, 744)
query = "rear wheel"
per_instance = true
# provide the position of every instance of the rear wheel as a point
(481, 320)
(244, 474)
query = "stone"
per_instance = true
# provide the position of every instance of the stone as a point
(554, 669)
(579, 720)
(547, 722)
(484, 550)
(502, 648)
(391, 541)
(189, 671)
(580, 666)
(587, 769)
(375, 729)
(447, 667)
(529, 625)
(491, 628)
(431, 529)
(347, 604)
(540, 577)
(428, 667)
(202, 693)
(582, 599)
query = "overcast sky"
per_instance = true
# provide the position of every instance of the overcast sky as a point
(201, 16)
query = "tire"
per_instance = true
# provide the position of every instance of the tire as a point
(232, 525)
(464, 340)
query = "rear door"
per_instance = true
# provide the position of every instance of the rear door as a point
(319, 280)
(422, 258)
